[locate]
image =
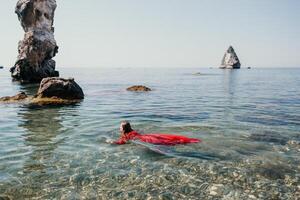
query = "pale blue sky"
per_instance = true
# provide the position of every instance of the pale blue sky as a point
(165, 33)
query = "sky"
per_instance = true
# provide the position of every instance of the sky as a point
(165, 33)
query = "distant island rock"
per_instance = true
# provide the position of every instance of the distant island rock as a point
(138, 88)
(38, 47)
(1, 67)
(51, 91)
(230, 60)
(197, 73)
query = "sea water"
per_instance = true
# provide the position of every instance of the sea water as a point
(248, 120)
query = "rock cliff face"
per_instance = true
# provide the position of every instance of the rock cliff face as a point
(230, 60)
(38, 47)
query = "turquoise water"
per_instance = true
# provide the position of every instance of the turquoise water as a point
(249, 121)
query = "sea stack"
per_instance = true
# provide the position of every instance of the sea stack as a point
(38, 47)
(230, 60)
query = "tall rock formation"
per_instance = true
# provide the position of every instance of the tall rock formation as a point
(230, 60)
(38, 47)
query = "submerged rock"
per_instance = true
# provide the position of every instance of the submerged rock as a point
(60, 88)
(52, 101)
(18, 97)
(138, 88)
(38, 47)
(274, 170)
(230, 60)
(269, 137)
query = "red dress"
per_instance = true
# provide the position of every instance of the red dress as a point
(156, 138)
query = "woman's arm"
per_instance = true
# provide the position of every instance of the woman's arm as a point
(125, 137)
(120, 141)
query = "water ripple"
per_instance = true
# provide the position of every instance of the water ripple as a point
(243, 117)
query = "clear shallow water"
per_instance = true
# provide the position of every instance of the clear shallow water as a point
(249, 121)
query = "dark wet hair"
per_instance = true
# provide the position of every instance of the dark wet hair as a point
(126, 127)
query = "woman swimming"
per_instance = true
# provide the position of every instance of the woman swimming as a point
(127, 133)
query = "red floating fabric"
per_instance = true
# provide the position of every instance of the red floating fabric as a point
(157, 138)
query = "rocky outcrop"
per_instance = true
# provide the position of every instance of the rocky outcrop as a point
(18, 97)
(38, 47)
(51, 91)
(138, 88)
(60, 88)
(230, 60)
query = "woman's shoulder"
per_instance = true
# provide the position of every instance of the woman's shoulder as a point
(132, 134)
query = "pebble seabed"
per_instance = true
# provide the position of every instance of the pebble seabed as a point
(106, 176)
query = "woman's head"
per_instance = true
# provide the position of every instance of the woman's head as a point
(125, 127)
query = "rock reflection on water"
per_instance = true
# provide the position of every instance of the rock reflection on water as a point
(42, 128)
(42, 125)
